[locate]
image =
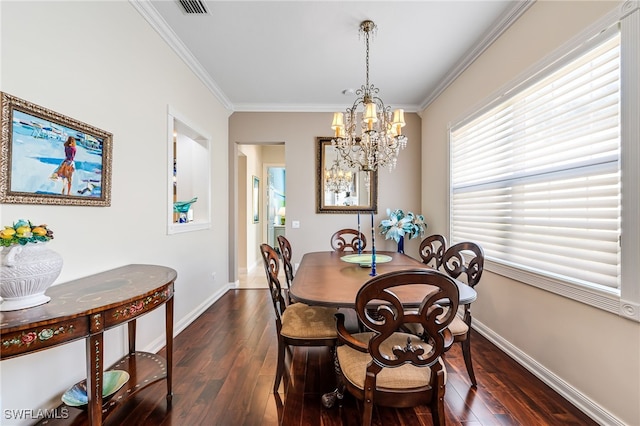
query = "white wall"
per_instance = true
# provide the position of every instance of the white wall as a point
(254, 231)
(101, 63)
(590, 355)
(399, 189)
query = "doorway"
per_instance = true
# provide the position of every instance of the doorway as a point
(276, 204)
(257, 220)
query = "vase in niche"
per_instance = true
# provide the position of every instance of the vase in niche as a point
(401, 244)
(27, 272)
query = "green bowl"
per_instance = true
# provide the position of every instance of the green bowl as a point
(112, 381)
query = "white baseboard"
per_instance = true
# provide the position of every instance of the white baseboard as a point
(580, 400)
(159, 342)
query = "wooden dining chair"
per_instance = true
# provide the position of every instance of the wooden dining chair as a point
(389, 368)
(348, 240)
(464, 258)
(285, 252)
(297, 324)
(432, 250)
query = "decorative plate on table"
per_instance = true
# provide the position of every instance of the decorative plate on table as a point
(112, 381)
(364, 260)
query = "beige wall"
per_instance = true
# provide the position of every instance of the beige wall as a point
(400, 189)
(580, 348)
(101, 63)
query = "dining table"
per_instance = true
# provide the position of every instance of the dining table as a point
(333, 279)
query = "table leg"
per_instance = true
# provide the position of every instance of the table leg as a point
(169, 338)
(329, 399)
(94, 377)
(132, 336)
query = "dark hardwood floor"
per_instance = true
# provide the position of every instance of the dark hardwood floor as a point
(224, 366)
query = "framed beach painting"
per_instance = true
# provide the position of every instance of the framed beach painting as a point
(49, 158)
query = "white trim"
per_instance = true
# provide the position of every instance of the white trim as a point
(585, 404)
(630, 154)
(158, 343)
(496, 30)
(204, 139)
(151, 15)
(599, 298)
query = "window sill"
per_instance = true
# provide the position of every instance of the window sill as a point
(178, 228)
(602, 298)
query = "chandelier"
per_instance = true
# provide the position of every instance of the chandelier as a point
(368, 136)
(336, 179)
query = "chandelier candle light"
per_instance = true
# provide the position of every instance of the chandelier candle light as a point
(373, 248)
(359, 245)
(369, 136)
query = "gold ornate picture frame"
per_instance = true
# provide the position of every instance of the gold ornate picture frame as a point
(49, 158)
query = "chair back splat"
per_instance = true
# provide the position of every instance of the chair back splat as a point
(432, 250)
(272, 269)
(348, 240)
(391, 368)
(285, 251)
(464, 258)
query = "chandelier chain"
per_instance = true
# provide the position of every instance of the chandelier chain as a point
(366, 40)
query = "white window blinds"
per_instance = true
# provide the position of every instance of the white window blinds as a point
(535, 179)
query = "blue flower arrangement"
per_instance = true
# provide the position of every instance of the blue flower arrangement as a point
(400, 225)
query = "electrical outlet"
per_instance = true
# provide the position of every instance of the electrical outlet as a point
(213, 276)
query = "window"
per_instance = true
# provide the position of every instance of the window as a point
(536, 176)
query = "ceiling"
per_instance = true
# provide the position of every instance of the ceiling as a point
(302, 55)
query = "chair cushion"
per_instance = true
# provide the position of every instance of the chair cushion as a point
(301, 321)
(457, 327)
(354, 364)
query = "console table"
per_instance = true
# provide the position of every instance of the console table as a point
(84, 309)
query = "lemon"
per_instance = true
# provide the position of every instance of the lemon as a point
(39, 230)
(23, 230)
(7, 233)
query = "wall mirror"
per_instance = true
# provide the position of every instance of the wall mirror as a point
(339, 188)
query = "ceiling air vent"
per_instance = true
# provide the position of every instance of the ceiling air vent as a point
(193, 7)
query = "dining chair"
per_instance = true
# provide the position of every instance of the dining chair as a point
(390, 368)
(432, 250)
(297, 324)
(464, 258)
(285, 252)
(348, 240)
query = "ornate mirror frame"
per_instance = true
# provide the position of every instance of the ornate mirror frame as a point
(323, 203)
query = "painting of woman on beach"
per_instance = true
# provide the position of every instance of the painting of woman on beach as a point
(67, 167)
(53, 159)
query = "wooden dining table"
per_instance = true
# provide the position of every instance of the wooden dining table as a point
(325, 279)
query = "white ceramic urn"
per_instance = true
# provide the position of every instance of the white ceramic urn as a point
(27, 272)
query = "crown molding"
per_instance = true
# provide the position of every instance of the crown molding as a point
(305, 108)
(497, 29)
(151, 15)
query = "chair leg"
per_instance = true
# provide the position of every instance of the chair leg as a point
(437, 402)
(466, 351)
(280, 365)
(367, 412)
